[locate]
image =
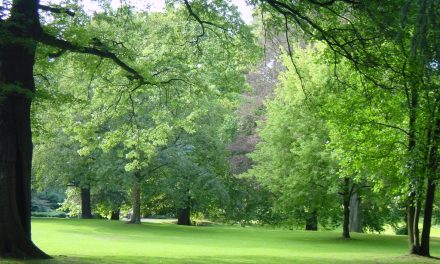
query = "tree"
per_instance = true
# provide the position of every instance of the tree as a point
(58, 164)
(366, 34)
(293, 159)
(21, 28)
(194, 180)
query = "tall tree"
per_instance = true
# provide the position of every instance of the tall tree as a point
(21, 30)
(366, 33)
(293, 158)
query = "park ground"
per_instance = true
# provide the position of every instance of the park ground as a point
(102, 241)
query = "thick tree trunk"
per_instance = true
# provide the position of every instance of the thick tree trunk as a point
(424, 249)
(312, 221)
(412, 213)
(432, 170)
(346, 222)
(184, 216)
(136, 204)
(86, 207)
(355, 214)
(16, 90)
(115, 215)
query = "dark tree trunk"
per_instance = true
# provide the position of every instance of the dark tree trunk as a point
(184, 216)
(86, 207)
(424, 249)
(312, 221)
(115, 215)
(432, 171)
(346, 223)
(16, 90)
(136, 204)
(346, 195)
(355, 214)
(412, 220)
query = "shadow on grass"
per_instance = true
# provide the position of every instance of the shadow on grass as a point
(216, 260)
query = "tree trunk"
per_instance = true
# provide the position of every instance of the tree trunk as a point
(115, 215)
(183, 216)
(346, 195)
(136, 204)
(416, 248)
(355, 214)
(424, 249)
(16, 89)
(432, 170)
(86, 208)
(312, 221)
(413, 224)
(346, 223)
(412, 220)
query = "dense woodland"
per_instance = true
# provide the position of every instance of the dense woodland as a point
(320, 114)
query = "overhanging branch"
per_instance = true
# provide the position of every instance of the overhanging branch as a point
(66, 45)
(390, 126)
(200, 21)
(57, 10)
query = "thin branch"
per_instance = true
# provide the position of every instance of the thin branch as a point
(56, 54)
(158, 167)
(57, 10)
(201, 22)
(289, 49)
(331, 2)
(390, 126)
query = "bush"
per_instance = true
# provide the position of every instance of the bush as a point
(403, 230)
(56, 214)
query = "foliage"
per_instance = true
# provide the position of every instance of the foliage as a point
(122, 132)
(293, 159)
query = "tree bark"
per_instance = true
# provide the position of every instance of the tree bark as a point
(312, 221)
(346, 223)
(432, 170)
(136, 204)
(355, 214)
(115, 215)
(412, 220)
(413, 213)
(184, 216)
(416, 248)
(424, 248)
(86, 207)
(346, 195)
(16, 89)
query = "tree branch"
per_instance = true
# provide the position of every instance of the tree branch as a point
(57, 10)
(391, 126)
(66, 45)
(200, 21)
(289, 49)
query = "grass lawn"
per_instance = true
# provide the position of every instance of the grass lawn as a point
(101, 241)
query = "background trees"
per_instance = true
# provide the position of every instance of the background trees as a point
(146, 102)
(175, 128)
(21, 25)
(367, 34)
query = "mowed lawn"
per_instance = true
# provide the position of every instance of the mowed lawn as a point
(102, 241)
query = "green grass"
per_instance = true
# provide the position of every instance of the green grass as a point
(101, 241)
